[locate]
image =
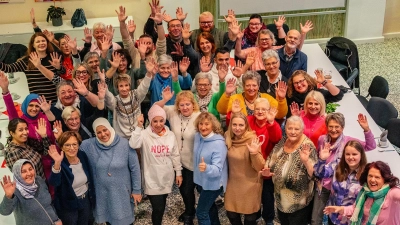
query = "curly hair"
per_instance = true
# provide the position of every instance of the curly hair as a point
(385, 171)
(188, 95)
(312, 83)
(216, 125)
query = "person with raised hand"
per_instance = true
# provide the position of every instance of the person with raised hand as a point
(293, 186)
(161, 161)
(27, 196)
(210, 166)
(74, 198)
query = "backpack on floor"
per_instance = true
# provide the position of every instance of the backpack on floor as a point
(79, 18)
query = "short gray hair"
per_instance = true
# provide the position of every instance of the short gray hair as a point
(90, 55)
(269, 53)
(251, 75)
(295, 119)
(203, 75)
(64, 83)
(66, 113)
(164, 59)
(336, 116)
(99, 25)
(266, 31)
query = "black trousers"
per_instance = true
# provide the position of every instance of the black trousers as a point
(82, 216)
(158, 203)
(300, 217)
(187, 192)
(235, 219)
(268, 201)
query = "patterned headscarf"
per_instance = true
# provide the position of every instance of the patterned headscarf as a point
(27, 190)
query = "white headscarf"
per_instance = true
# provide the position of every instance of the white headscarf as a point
(26, 190)
(104, 122)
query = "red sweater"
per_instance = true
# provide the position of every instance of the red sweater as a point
(314, 127)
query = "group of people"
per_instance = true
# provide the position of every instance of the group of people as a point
(107, 125)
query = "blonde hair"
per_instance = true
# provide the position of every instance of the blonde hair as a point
(188, 95)
(66, 113)
(261, 100)
(229, 133)
(317, 96)
(206, 14)
(266, 31)
(89, 71)
(216, 125)
(120, 78)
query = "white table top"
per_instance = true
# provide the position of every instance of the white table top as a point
(350, 106)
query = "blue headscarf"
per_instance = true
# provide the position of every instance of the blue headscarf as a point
(25, 103)
(26, 190)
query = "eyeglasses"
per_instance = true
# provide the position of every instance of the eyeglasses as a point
(202, 85)
(264, 39)
(206, 23)
(175, 25)
(263, 110)
(81, 72)
(298, 82)
(69, 146)
(254, 24)
(271, 64)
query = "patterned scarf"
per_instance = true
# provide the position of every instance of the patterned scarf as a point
(337, 147)
(379, 198)
(26, 190)
(252, 37)
(203, 102)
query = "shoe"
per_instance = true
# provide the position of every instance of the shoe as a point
(181, 218)
(188, 220)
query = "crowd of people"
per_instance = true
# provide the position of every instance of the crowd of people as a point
(106, 126)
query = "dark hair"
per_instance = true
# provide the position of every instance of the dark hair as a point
(221, 50)
(145, 36)
(208, 37)
(312, 83)
(65, 136)
(343, 170)
(125, 53)
(256, 16)
(174, 20)
(12, 126)
(385, 171)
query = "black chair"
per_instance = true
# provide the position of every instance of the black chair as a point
(351, 80)
(10, 53)
(381, 110)
(272, 28)
(393, 128)
(379, 88)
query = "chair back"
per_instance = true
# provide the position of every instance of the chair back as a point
(381, 110)
(393, 128)
(379, 87)
(354, 74)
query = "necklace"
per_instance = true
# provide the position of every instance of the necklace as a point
(183, 129)
(131, 127)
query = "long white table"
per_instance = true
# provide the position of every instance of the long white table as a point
(350, 106)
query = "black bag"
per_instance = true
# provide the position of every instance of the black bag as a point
(79, 18)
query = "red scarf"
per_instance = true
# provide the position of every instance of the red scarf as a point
(252, 37)
(69, 67)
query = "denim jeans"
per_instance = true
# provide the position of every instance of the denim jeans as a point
(187, 192)
(268, 201)
(207, 211)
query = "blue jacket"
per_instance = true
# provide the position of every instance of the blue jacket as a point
(159, 83)
(214, 152)
(65, 197)
(298, 62)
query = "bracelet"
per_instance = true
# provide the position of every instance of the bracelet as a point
(158, 24)
(323, 83)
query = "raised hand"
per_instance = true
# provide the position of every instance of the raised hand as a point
(101, 74)
(49, 35)
(222, 72)
(102, 89)
(80, 87)
(333, 209)
(88, 35)
(174, 71)
(121, 14)
(140, 120)
(237, 71)
(35, 60)
(57, 129)
(305, 153)
(105, 43)
(202, 165)
(294, 109)
(4, 82)
(151, 66)
(8, 186)
(110, 32)
(205, 64)
(281, 20)
(266, 172)
(186, 33)
(166, 17)
(142, 48)
(236, 106)
(178, 49)
(251, 58)
(41, 128)
(254, 146)
(158, 18)
(230, 17)
(131, 26)
(33, 20)
(178, 180)
(320, 76)
(230, 86)
(55, 60)
(271, 114)
(116, 60)
(180, 15)
(362, 120)
(234, 27)
(280, 90)
(184, 65)
(325, 151)
(307, 27)
(240, 35)
(71, 43)
(57, 157)
(43, 104)
(167, 94)
(155, 7)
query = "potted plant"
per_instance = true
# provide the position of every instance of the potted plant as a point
(55, 14)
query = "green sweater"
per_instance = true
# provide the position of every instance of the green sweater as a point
(212, 106)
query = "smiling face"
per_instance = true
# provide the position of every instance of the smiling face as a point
(98, 34)
(64, 47)
(206, 23)
(71, 147)
(260, 110)
(352, 157)
(20, 135)
(265, 42)
(272, 67)
(102, 133)
(94, 63)
(124, 88)
(375, 180)
(157, 124)
(40, 44)
(82, 74)
(222, 59)
(67, 95)
(205, 46)
(313, 107)
(33, 109)
(293, 131)
(74, 121)
(203, 87)
(205, 127)
(175, 29)
(334, 129)
(123, 65)
(300, 84)
(251, 88)
(255, 25)
(292, 39)
(28, 173)
(185, 107)
(238, 127)
(164, 70)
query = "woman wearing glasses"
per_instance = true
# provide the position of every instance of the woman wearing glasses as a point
(301, 83)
